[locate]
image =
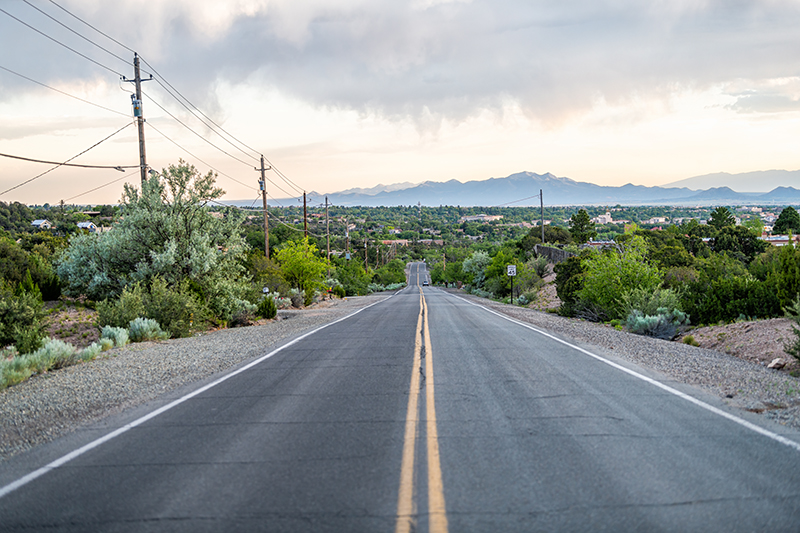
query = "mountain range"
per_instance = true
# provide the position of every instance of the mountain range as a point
(522, 189)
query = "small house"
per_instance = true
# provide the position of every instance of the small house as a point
(91, 227)
(41, 223)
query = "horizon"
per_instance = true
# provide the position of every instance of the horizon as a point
(360, 93)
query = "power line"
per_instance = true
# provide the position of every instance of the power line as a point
(190, 129)
(107, 167)
(101, 186)
(60, 43)
(168, 87)
(203, 162)
(75, 32)
(95, 29)
(65, 163)
(60, 91)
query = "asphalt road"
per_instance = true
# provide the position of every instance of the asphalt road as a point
(423, 412)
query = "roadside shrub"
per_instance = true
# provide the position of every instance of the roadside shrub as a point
(375, 287)
(663, 325)
(106, 344)
(54, 354)
(727, 298)
(569, 282)
(119, 313)
(540, 266)
(308, 297)
(648, 302)
(394, 286)
(146, 329)
(339, 291)
(119, 336)
(29, 339)
(608, 275)
(21, 317)
(91, 352)
(13, 371)
(267, 308)
(793, 313)
(178, 309)
(689, 339)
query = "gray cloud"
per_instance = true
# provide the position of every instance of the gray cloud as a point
(450, 60)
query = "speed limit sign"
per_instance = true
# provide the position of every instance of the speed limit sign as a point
(512, 270)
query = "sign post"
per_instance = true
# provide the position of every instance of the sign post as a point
(512, 271)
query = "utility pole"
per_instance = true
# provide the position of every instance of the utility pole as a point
(305, 216)
(541, 201)
(136, 100)
(328, 236)
(366, 256)
(263, 186)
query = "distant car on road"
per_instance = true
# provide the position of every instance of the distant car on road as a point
(425, 283)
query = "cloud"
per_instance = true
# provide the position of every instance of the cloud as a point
(446, 59)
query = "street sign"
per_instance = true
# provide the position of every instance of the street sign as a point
(512, 270)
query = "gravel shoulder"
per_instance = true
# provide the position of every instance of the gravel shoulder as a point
(743, 383)
(56, 403)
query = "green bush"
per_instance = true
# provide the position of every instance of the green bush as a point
(178, 310)
(663, 325)
(569, 282)
(648, 302)
(339, 291)
(612, 273)
(21, 317)
(727, 298)
(119, 336)
(267, 308)
(53, 355)
(689, 339)
(146, 329)
(793, 312)
(106, 344)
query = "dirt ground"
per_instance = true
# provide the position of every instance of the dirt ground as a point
(72, 323)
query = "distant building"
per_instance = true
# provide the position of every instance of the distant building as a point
(603, 219)
(41, 223)
(480, 218)
(91, 227)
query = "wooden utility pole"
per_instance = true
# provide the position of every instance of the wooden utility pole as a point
(136, 100)
(328, 235)
(541, 201)
(305, 216)
(366, 256)
(263, 186)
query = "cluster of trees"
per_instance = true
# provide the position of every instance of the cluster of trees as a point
(713, 273)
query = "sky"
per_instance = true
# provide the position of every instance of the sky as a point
(338, 94)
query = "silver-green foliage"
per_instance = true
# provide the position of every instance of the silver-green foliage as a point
(105, 344)
(476, 265)
(665, 324)
(146, 329)
(52, 355)
(166, 231)
(119, 336)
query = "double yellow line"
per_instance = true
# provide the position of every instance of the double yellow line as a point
(406, 507)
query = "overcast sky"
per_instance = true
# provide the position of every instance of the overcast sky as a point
(353, 93)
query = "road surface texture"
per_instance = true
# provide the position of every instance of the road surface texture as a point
(423, 412)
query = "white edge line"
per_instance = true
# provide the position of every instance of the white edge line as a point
(11, 487)
(699, 403)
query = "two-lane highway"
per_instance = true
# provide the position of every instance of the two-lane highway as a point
(423, 412)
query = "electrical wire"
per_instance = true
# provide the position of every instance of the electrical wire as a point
(101, 186)
(203, 162)
(66, 163)
(190, 129)
(60, 43)
(62, 92)
(168, 87)
(76, 33)
(517, 201)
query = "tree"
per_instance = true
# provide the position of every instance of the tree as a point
(611, 274)
(788, 220)
(302, 265)
(166, 232)
(721, 217)
(581, 227)
(475, 265)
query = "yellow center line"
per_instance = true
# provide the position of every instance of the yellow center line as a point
(436, 507)
(406, 508)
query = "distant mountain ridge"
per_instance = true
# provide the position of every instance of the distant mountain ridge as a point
(747, 182)
(522, 189)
